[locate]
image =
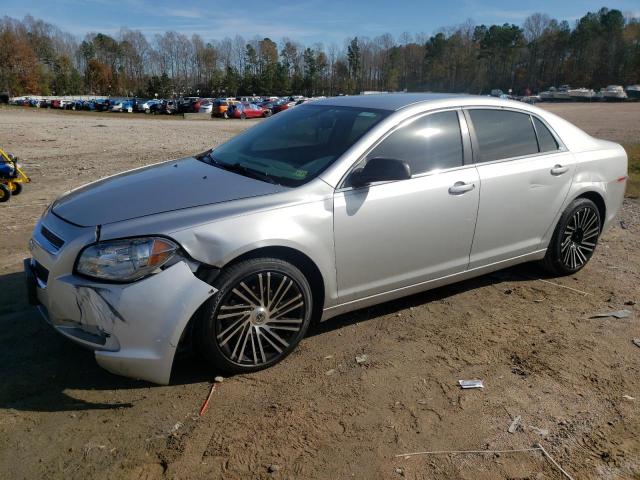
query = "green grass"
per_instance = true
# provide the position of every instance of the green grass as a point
(633, 183)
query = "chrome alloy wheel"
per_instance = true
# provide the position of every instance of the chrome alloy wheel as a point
(579, 238)
(260, 318)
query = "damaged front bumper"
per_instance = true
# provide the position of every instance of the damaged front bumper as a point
(133, 328)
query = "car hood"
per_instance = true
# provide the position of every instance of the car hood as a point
(155, 189)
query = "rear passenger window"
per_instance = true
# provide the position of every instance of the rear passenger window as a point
(503, 134)
(429, 143)
(546, 141)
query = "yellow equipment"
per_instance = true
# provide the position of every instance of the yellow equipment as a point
(11, 176)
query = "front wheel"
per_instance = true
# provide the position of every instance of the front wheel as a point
(15, 188)
(258, 316)
(5, 193)
(574, 239)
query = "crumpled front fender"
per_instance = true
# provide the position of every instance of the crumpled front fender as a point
(146, 318)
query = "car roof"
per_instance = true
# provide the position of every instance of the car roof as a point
(390, 101)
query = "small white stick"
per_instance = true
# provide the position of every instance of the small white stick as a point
(439, 452)
(537, 447)
(563, 286)
(544, 452)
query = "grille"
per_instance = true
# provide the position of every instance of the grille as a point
(53, 239)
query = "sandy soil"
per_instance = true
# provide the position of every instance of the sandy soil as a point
(573, 380)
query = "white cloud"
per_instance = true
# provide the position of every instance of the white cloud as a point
(182, 13)
(509, 15)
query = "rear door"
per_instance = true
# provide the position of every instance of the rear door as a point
(525, 175)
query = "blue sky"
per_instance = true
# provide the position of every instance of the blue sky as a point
(307, 21)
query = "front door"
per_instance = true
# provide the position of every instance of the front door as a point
(395, 234)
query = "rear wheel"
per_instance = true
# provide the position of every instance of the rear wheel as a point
(5, 193)
(574, 239)
(258, 316)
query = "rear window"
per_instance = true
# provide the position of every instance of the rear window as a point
(503, 134)
(546, 140)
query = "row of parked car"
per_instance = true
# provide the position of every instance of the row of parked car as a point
(229, 107)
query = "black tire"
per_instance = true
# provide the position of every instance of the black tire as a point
(213, 337)
(17, 188)
(575, 238)
(5, 193)
(225, 115)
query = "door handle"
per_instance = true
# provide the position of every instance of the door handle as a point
(559, 170)
(461, 187)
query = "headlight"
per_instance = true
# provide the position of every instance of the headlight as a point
(125, 260)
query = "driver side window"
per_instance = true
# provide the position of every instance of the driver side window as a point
(432, 142)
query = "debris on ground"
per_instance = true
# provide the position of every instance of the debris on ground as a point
(330, 372)
(636, 342)
(629, 397)
(205, 405)
(361, 359)
(543, 432)
(617, 314)
(399, 471)
(470, 383)
(218, 379)
(564, 286)
(515, 424)
(175, 428)
(273, 468)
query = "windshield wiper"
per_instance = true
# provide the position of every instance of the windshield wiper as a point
(250, 172)
(237, 168)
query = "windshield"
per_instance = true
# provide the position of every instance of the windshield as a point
(296, 145)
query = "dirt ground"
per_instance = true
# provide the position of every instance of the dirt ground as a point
(573, 380)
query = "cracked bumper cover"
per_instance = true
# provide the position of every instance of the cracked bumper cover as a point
(134, 328)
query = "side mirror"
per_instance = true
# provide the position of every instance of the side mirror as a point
(380, 170)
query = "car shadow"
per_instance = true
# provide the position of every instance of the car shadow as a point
(42, 371)
(518, 273)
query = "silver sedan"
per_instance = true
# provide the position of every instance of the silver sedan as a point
(332, 206)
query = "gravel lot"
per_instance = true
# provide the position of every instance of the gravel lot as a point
(573, 380)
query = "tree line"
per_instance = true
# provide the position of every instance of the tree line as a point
(601, 48)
